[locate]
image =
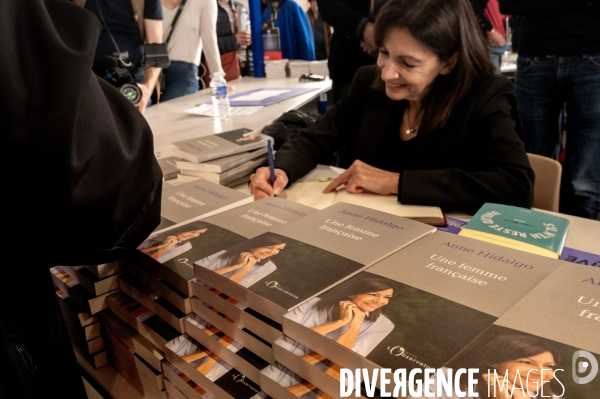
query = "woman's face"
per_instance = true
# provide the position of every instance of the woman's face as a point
(370, 301)
(533, 365)
(266, 252)
(188, 235)
(408, 68)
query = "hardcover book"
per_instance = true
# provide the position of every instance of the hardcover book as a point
(392, 314)
(170, 254)
(276, 271)
(196, 200)
(210, 372)
(311, 193)
(520, 228)
(545, 346)
(224, 164)
(207, 148)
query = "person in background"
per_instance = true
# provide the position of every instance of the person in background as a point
(431, 123)
(229, 38)
(294, 29)
(127, 29)
(194, 32)
(558, 68)
(244, 50)
(93, 184)
(497, 35)
(352, 41)
(321, 31)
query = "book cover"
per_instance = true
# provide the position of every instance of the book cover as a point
(215, 146)
(221, 165)
(226, 177)
(210, 372)
(547, 344)
(169, 167)
(277, 271)
(392, 314)
(170, 254)
(311, 193)
(283, 383)
(520, 228)
(196, 200)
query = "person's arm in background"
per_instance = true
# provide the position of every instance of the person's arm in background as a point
(305, 43)
(494, 37)
(208, 35)
(154, 33)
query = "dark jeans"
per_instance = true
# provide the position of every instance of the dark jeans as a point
(182, 79)
(544, 85)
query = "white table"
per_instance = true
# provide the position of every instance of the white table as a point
(170, 122)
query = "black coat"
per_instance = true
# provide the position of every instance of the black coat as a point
(476, 157)
(84, 188)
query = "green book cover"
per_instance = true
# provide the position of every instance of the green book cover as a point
(520, 228)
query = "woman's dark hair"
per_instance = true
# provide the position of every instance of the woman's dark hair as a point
(259, 242)
(505, 348)
(355, 286)
(445, 27)
(182, 229)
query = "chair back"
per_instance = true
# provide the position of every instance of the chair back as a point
(547, 182)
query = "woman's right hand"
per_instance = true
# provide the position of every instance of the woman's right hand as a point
(260, 185)
(346, 313)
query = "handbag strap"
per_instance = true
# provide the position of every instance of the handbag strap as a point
(175, 19)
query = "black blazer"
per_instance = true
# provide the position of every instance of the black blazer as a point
(477, 157)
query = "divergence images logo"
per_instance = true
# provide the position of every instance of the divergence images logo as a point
(582, 367)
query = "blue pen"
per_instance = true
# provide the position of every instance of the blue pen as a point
(271, 161)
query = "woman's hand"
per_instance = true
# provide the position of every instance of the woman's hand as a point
(358, 317)
(243, 38)
(360, 177)
(260, 185)
(495, 38)
(346, 308)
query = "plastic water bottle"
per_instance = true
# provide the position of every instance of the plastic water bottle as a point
(220, 101)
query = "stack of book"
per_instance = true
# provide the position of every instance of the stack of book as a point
(418, 308)
(318, 68)
(227, 158)
(149, 311)
(276, 68)
(84, 328)
(297, 68)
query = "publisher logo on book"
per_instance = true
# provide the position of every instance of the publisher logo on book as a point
(275, 285)
(582, 367)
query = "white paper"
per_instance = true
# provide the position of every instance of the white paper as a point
(207, 110)
(261, 95)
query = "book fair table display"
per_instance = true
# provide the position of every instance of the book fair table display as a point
(234, 298)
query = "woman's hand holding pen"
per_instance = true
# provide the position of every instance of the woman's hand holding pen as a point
(361, 177)
(260, 185)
